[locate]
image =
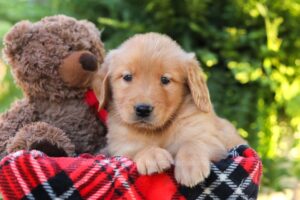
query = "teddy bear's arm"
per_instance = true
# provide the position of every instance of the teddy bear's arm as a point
(43, 137)
(20, 114)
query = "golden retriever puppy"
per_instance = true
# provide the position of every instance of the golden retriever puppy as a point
(160, 111)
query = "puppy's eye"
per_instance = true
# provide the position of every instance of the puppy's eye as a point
(165, 80)
(127, 77)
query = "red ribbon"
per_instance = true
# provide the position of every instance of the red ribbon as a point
(92, 101)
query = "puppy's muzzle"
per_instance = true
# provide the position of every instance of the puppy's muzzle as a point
(143, 110)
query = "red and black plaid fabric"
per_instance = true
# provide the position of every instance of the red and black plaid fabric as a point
(34, 175)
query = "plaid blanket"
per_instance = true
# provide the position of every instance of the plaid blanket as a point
(34, 175)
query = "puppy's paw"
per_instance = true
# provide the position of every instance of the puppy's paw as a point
(152, 160)
(190, 172)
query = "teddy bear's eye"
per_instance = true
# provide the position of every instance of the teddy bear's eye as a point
(70, 48)
(127, 77)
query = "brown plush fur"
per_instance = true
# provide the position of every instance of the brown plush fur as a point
(53, 62)
(182, 129)
(37, 132)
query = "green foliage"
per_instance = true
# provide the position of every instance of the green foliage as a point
(8, 91)
(250, 51)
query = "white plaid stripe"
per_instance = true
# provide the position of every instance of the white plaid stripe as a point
(106, 187)
(117, 175)
(23, 185)
(42, 178)
(124, 182)
(71, 190)
(233, 152)
(245, 183)
(208, 190)
(223, 177)
(68, 193)
(103, 163)
(229, 182)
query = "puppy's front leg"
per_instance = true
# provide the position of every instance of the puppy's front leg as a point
(153, 159)
(192, 162)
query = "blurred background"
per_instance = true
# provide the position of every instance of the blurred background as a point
(250, 51)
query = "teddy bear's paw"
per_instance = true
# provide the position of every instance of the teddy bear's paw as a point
(43, 137)
(16, 144)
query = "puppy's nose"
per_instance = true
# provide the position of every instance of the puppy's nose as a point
(88, 62)
(143, 110)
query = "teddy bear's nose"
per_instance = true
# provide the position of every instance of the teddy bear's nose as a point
(88, 62)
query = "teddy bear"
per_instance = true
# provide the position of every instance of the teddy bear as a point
(53, 61)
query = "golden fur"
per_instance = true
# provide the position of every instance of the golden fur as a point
(182, 130)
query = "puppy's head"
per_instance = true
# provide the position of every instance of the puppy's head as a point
(147, 78)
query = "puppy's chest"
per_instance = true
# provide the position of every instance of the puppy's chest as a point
(168, 139)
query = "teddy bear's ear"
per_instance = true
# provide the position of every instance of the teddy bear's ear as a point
(16, 38)
(90, 26)
(95, 36)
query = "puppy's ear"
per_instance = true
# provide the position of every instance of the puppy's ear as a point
(101, 81)
(101, 87)
(197, 84)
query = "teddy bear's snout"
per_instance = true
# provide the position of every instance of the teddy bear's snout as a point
(78, 68)
(88, 62)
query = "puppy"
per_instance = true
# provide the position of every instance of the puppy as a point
(160, 111)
